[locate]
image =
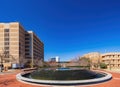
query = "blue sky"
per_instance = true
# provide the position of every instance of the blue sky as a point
(68, 28)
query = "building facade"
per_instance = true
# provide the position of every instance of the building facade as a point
(34, 48)
(13, 45)
(111, 59)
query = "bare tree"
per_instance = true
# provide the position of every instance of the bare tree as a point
(52, 63)
(1, 60)
(5, 56)
(80, 62)
(84, 61)
(76, 59)
(37, 62)
(21, 61)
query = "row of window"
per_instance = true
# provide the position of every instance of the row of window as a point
(114, 65)
(6, 43)
(112, 60)
(110, 56)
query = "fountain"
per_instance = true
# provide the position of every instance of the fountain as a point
(64, 76)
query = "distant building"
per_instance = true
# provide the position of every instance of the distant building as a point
(55, 59)
(19, 44)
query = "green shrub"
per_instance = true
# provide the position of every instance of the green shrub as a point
(103, 65)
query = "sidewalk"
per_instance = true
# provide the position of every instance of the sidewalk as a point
(113, 70)
(10, 71)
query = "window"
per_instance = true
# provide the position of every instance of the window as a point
(26, 46)
(26, 42)
(6, 34)
(26, 49)
(27, 57)
(6, 48)
(27, 35)
(7, 61)
(6, 30)
(26, 53)
(26, 38)
(6, 43)
(6, 52)
(6, 39)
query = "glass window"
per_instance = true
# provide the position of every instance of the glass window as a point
(26, 38)
(26, 34)
(26, 49)
(6, 30)
(6, 34)
(7, 52)
(6, 39)
(6, 48)
(26, 53)
(6, 43)
(26, 42)
(26, 46)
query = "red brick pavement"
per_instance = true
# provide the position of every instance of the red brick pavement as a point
(114, 82)
(9, 80)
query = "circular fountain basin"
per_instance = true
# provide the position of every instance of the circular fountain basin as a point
(64, 76)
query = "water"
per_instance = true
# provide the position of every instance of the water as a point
(63, 69)
(65, 74)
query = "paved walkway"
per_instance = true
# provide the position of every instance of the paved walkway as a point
(9, 80)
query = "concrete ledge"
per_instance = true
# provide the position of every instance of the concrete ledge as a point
(57, 82)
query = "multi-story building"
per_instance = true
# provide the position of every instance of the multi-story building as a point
(34, 48)
(111, 59)
(13, 45)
